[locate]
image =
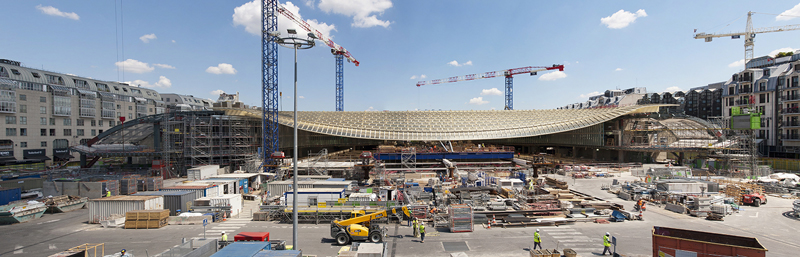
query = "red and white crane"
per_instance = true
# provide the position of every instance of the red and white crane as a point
(339, 53)
(508, 74)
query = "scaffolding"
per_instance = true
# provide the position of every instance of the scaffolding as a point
(319, 162)
(741, 156)
(408, 157)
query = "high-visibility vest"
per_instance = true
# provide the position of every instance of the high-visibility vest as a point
(224, 237)
(108, 193)
(421, 228)
(536, 238)
(605, 241)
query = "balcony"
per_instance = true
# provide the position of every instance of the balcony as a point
(792, 110)
(791, 136)
(793, 123)
(741, 102)
(745, 90)
(790, 98)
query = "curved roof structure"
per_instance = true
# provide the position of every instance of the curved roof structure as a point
(447, 125)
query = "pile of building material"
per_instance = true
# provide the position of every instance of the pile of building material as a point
(146, 219)
(103, 208)
(127, 185)
(556, 183)
(700, 206)
(545, 253)
(149, 183)
(736, 189)
(64, 203)
(461, 218)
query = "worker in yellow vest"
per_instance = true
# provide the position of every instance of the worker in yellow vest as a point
(108, 193)
(224, 236)
(422, 232)
(416, 224)
(607, 244)
(537, 240)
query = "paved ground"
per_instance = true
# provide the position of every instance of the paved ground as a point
(56, 232)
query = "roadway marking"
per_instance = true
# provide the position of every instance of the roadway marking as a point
(754, 216)
(52, 247)
(575, 237)
(19, 251)
(50, 221)
(576, 240)
(565, 233)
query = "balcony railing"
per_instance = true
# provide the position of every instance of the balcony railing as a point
(791, 136)
(793, 123)
(792, 110)
(790, 97)
(742, 102)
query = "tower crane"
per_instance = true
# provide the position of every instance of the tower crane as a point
(269, 76)
(749, 35)
(339, 54)
(508, 74)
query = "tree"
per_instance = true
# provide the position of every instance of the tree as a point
(784, 54)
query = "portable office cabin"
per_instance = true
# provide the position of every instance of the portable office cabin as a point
(102, 208)
(226, 186)
(241, 184)
(202, 172)
(254, 179)
(175, 201)
(199, 190)
(312, 196)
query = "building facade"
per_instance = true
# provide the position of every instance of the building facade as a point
(180, 102)
(43, 113)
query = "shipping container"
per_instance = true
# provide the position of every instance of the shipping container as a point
(313, 196)
(175, 201)
(239, 184)
(227, 185)
(242, 249)
(233, 200)
(278, 253)
(202, 172)
(200, 191)
(24, 183)
(279, 187)
(102, 208)
(8, 195)
(683, 242)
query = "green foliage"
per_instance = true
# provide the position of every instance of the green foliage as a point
(784, 54)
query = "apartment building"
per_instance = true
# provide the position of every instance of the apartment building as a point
(704, 102)
(43, 113)
(180, 102)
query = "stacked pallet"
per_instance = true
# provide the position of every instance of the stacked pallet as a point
(146, 219)
(150, 183)
(461, 218)
(127, 185)
(736, 189)
(545, 253)
(556, 183)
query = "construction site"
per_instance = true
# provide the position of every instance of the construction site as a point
(242, 180)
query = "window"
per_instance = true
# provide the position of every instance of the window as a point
(111, 124)
(730, 90)
(16, 72)
(102, 87)
(125, 89)
(151, 109)
(130, 108)
(67, 122)
(67, 132)
(100, 123)
(42, 109)
(23, 120)
(100, 131)
(79, 123)
(42, 121)
(35, 75)
(81, 83)
(54, 79)
(23, 144)
(94, 123)
(94, 132)
(80, 132)
(52, 132)
(23, 132)
(42, 99)
(43, 144)
(23, 108)
(11, 132)
(11, 119)
(762, 86)
(23, 97)
(52, 121)
(43, 132)
(762, 98)
(167, 99)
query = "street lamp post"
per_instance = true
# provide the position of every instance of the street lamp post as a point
(295, 43)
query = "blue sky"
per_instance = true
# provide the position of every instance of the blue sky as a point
(200, 47)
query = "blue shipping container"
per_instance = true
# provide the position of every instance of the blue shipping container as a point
(242, 249)
(279, 253)
(10, 195)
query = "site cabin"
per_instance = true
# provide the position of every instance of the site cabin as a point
(512, 183)
(313, 196)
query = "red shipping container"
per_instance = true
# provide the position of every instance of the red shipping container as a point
(671, 241)
(251, 236)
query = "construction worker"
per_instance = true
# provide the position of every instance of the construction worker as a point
(224, 236)
(607, 244)
(422, 231)
(416, 223)
(108, 193)
(537, 240)
(123, 253)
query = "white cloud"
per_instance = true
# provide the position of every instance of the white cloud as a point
(163, 66)
(413, 77)
(493, 91)
(370, 109)
(249, 16)
(737, 64)
(618, 69)
(789, 14)
(477, 101)
(418, 77)
(590, 94)
(785, 49)
(146, 38)
(622, 18)
(163, 82)
(217, 92)
(131, 65)
(222, 68)
(672, 89)
(364, 12)
(52, 11)
(173, 41)
(455, 63)
(422, 76)
(553, 76)
(301, 97)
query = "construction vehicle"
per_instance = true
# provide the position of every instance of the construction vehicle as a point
(754, 198)
(359, 227)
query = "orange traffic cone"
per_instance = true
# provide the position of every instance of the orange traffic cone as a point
(224, 216)
(489, 226)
